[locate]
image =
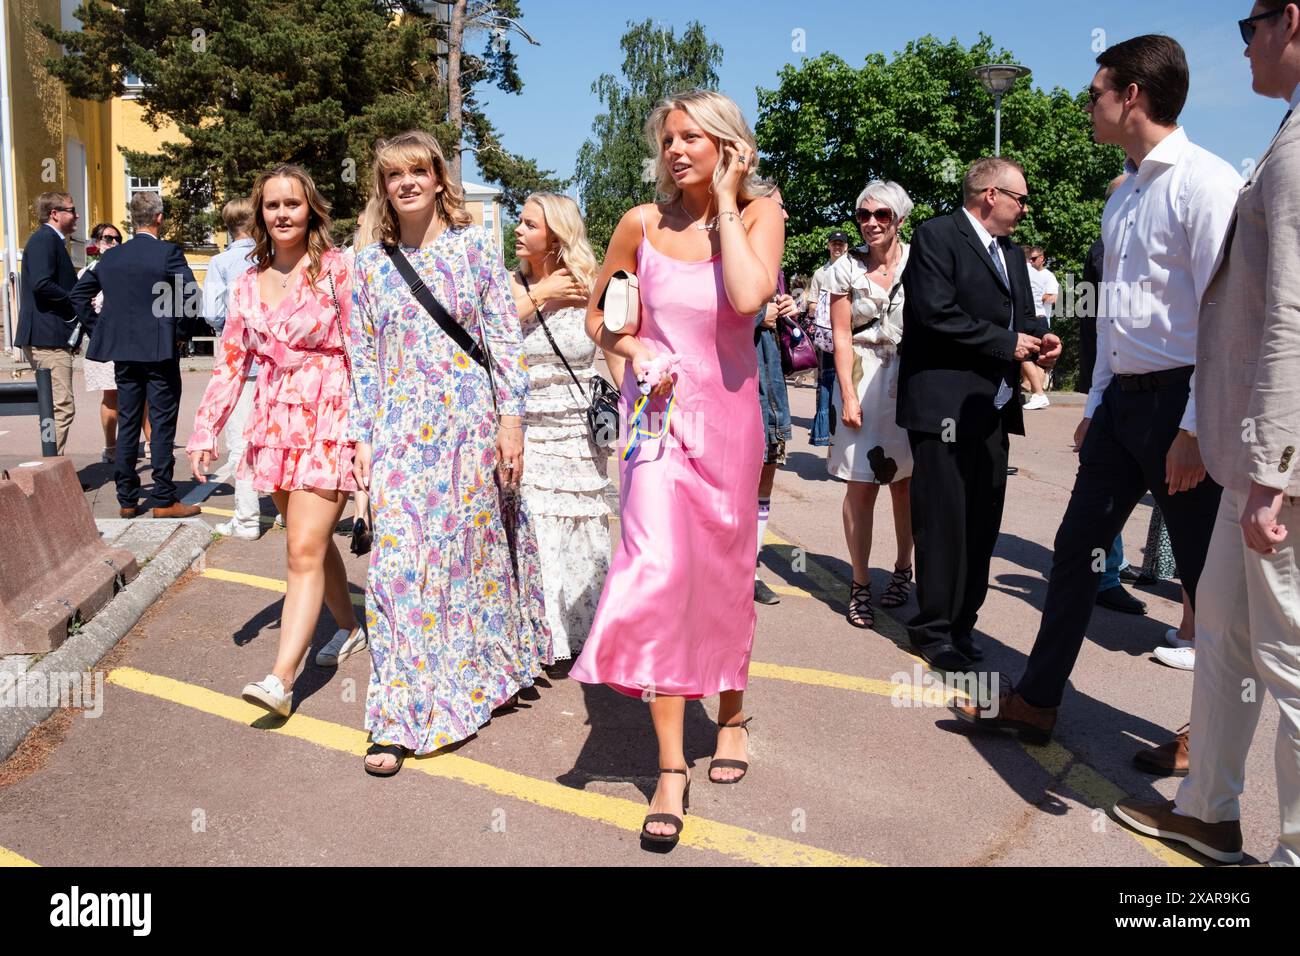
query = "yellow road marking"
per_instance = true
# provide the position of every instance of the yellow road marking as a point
(732, 841)
(257, 581)
(10, 858)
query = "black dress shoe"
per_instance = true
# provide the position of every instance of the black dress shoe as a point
(943, 657)
(764, 594)
(1131, 575)
(1117, 599)
(966, 644)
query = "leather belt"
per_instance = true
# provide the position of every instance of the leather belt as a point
(1153, 381)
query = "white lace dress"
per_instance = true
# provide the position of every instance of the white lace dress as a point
(564, 477)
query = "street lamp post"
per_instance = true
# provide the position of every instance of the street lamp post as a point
(997, 78)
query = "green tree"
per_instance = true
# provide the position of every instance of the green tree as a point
(611, 169)
(919, 118)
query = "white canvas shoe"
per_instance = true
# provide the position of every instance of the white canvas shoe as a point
(1037, 401)
(231, 530)
(269, 692)
(341, 646)
(1183, 658)
(1173, 640)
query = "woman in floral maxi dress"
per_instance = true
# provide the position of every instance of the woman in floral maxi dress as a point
(456, 628)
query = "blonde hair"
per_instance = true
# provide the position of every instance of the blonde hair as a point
(237, 214)
(721, 119)
(367, 226)
(318, 220)
(406, 150)
(564, 222)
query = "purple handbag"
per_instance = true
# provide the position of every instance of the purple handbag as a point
(797, 352)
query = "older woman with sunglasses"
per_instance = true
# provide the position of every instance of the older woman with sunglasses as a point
(868, 449)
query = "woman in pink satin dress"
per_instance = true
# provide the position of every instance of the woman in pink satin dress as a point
(676, 620)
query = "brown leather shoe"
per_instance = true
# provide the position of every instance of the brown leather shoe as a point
(131, 512)
(1218, 841)
(177, 510)
(1013, 712)
(1167, 760)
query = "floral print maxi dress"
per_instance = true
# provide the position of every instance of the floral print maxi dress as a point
(454, 629)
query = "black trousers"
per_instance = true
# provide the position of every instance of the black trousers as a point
(958, 488)
(1122, 458)
(160, 384)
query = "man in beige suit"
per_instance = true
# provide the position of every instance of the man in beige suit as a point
(1248, 393)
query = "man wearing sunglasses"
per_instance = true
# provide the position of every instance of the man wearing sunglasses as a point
(1248, 400)
(48, 330)
(1162, 230)
(968, 324)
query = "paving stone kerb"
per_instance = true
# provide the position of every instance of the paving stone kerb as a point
(53, 566)
(82, 651)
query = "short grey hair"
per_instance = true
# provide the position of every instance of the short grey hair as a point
(891, 194)
(145, 208)
(984, 174)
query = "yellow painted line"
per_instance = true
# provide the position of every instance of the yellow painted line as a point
(257, 581)
(10, 858)
(789, 591)
(227, 513)
(863, 685)
(732, 841)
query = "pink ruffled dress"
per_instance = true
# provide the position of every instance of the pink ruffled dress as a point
(298, 432)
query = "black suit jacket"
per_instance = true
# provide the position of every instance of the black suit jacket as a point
(45, 315)
(150, 301)
(957, 346)
(1088, 323)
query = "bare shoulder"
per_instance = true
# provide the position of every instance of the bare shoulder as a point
(761, 209)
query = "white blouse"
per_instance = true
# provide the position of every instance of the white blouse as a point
(878, 318)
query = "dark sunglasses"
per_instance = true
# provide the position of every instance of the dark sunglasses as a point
(110, 237)
(1022, 199)
(882, 216)
(1248, 25)
(71, 209)
(1095, 94)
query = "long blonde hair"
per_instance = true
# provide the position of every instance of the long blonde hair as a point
(406, 150)
(721, 118)
(367, 226)
(318, 220)
(564, 222)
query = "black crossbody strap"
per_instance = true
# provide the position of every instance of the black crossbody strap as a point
(527, 288)
(454, 329)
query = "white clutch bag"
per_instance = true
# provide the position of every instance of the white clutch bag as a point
(622, 303)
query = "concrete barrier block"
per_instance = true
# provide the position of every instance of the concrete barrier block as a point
(54, 568)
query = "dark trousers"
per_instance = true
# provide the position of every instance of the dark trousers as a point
(822, 425)
(958, 488)
(1123, 457)
(159, 383)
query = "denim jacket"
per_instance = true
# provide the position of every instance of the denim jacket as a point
(772, 397)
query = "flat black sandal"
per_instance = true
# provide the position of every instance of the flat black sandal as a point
(396, 751)
(727, 762)
(899, 589)
(667, 840)
(860, 612)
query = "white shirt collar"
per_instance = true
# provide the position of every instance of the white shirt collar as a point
(143, 233)
(1295, 97)
(58, 232)
(985, 237)
(1166, 153)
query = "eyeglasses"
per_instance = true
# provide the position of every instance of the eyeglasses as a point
(884, 215)
(1248, 25)
(1095, 94)
(110, 237)
(1022, 198)
(71, 209)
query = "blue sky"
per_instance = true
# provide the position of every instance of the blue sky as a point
(552, 117)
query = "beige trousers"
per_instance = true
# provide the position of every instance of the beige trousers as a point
(59, 362)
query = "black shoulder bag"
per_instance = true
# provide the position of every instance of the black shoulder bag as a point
(602, 410)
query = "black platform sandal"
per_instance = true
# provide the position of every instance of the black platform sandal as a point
(727, 762)
(899, 589)
(860, 612)
(397, 751)
(667, 840)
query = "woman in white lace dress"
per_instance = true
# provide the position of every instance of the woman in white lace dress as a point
(565, 482)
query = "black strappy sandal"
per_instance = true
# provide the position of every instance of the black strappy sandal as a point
(727, 762)
(396, 751)
(668, 840)
(899, 589)
(860, 613)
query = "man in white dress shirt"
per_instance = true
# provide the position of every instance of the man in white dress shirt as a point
(1162, 230)
(1248, 375)
(1046, 290)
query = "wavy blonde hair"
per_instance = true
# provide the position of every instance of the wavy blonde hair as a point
(722, 120)
(564, 222)
(367, 226)
(318, 220)
(404, 151)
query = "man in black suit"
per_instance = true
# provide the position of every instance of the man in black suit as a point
(147, 285)
(968, 323)
(47, 324)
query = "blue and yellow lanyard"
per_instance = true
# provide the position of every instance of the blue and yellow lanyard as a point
(634, 427)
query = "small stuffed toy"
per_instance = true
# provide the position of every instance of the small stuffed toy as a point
(653, 371)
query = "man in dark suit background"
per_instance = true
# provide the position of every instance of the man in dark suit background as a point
(47, 325)
(146, 284)
(968, 323)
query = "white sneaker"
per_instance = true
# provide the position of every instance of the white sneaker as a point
(269, 692)
(279, 521)
(341, 646)
(1173, 640)
(232, 530)
(1037, 401)
(1182, 658)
